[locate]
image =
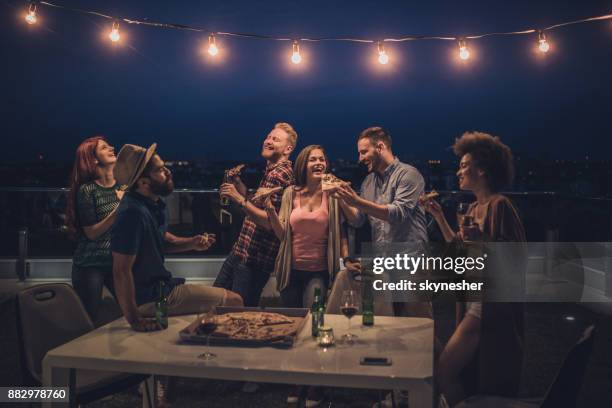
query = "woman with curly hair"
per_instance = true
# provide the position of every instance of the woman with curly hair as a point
(92, 202)
(484, 354)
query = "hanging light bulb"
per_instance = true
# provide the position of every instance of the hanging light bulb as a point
(114, 34)
(30, 18)
(464, 53)
(212, 45)
(544, 45)
(383, 58)
(296, 58)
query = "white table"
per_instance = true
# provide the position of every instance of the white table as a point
(407, 341)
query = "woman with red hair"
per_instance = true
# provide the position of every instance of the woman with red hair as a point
(93, 199)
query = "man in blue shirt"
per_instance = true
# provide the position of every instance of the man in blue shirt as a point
(390, 200)
(389, 194)
(140, 238)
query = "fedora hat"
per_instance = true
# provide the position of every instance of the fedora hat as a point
(131, 162)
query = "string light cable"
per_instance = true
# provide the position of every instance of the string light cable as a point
(34, 7)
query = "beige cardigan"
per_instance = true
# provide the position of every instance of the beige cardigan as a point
(282, 267)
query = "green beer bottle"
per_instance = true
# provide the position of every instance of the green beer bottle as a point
(321, 311)
(316, 312)
(161, 307)
(367, 298)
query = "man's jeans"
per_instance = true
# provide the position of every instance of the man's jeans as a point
(245, 280)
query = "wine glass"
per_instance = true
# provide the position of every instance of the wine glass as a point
(349, 307)
(462, 209)
(207, 327)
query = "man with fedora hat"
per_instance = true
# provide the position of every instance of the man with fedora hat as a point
(140, 238)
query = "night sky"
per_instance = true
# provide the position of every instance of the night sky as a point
(63, 80)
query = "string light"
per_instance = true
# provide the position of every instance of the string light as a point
(383, 58)
(212, 45)
(114, 34)
(30, 18)
(544, 45)
(296, 58)
(464, 53)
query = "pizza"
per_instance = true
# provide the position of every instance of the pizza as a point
(330, 182)
(263, 192)
(428, 196)
(252, 325)
(235, 171)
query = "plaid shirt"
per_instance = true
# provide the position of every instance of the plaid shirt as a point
(256, 246)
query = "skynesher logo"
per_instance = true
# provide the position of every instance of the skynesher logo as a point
(411, 264)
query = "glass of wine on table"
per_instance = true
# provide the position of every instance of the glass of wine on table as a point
(349, 307)
(207, 326)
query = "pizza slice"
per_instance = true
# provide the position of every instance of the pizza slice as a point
(428, 196)
(267, 319)
(263, 192)
(235, 171)
(330, 182)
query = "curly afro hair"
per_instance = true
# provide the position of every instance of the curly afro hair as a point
(488, 154)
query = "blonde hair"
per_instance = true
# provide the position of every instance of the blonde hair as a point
(293, 137)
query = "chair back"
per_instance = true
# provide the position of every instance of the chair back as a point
(565, 389)
(48, 316)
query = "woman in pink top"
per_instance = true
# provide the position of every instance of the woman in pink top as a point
(309, 226)
(312, 240)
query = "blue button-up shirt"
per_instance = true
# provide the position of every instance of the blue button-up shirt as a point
(399, 188)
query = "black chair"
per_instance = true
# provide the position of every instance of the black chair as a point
(564, 390)
(50, 315)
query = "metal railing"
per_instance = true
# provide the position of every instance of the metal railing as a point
(32, 220)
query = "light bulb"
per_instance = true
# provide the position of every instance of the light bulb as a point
(464, 53)
(114, 34)
(544, 45)
(383, 58)
(30, 18)
(212, 46)
(296, 58)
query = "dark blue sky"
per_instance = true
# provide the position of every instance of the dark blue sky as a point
(63, 80)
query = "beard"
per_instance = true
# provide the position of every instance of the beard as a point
(374, 162)
(271, 155)
(163, 189)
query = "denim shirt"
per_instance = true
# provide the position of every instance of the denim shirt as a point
(399, 188)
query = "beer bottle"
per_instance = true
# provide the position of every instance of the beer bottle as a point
(224, 200)
(161, 307)
(367, 298)
(321, 311)
(315, 311)
(225, 216)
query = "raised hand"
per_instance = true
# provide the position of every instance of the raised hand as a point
(268, 204)
(345, 193)
(432, 207)
(203, 242)
(229, 190)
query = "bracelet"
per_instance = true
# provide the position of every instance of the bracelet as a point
(243, 203)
